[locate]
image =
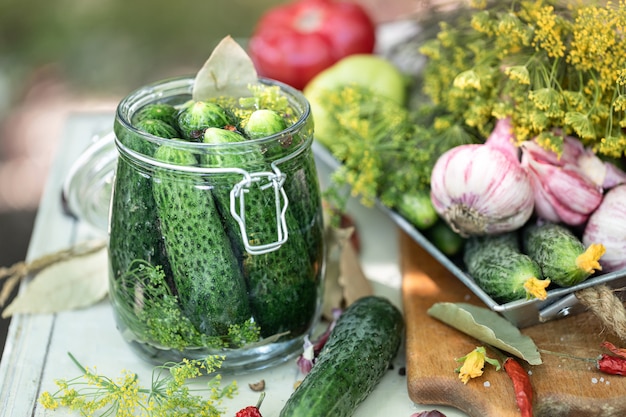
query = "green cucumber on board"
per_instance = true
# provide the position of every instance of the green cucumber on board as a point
(499, 268)
(209, 283)
(561, 255)
(358, 353)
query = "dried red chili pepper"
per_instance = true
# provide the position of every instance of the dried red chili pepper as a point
(609, 364)
(252, 410)
(521, 385)
(614, 365)
(613, 349)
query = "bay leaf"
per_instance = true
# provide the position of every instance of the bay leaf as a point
(488, 327)
(73, 283)
(227, 72)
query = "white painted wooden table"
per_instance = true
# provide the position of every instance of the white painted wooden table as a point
(37, 345)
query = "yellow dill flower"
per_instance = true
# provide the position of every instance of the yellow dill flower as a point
(593, 37)
(445, 36)
(467, 80)
(621, 77)
(619, 104)
(611, 145)
(581, 124)
(551, 142)
(512, 35)
(48, 401)
(518, 73)
(548, 33)
(547, 99)
(575, 101)
(483, 23)
(169, 395)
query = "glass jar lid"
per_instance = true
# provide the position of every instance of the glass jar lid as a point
(87, 188)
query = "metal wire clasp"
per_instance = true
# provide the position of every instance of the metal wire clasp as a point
(274, 183)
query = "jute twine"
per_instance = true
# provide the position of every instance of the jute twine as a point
(607, 306)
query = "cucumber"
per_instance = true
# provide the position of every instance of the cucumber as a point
(157, 128)
(561, 255)
(357, 354)
(197, 116)
(418, 209)
(263, 123)
(444, 238)
(501, 270)
(210, 284)
(134, 223)
(282, 284)
(157, 111)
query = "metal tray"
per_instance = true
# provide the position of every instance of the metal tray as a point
(561, 302)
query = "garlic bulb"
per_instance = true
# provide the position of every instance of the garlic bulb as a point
(568, 187)
(482, 189)
(608, 226)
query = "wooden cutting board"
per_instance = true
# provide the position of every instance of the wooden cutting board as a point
(562, 386)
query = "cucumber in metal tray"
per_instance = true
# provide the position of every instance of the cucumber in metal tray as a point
(356, 356)
(206, 273)
(561, 255)
(497, 265)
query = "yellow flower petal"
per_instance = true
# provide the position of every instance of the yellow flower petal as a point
(588, 261)
(537, 288)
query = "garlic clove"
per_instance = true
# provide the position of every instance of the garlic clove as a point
(607, 225)
(563, 191)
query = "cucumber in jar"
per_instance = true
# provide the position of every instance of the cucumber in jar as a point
(134, 223)
(197, 116)
(157, 111)
(282, 284)
(302, 189)
(209, 282)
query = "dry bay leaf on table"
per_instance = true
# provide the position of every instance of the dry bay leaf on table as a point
(488, 327)
(72, 283)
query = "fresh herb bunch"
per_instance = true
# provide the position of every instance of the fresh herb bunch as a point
(168, 395)
(385, 149)
(553, 67)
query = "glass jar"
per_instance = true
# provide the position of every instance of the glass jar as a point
(223, 253)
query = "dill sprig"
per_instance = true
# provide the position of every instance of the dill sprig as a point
(147, 305)
(554, 68)
(169, 393)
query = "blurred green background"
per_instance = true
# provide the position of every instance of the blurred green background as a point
(110, 46)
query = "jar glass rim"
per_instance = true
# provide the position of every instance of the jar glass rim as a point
(151, 93)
